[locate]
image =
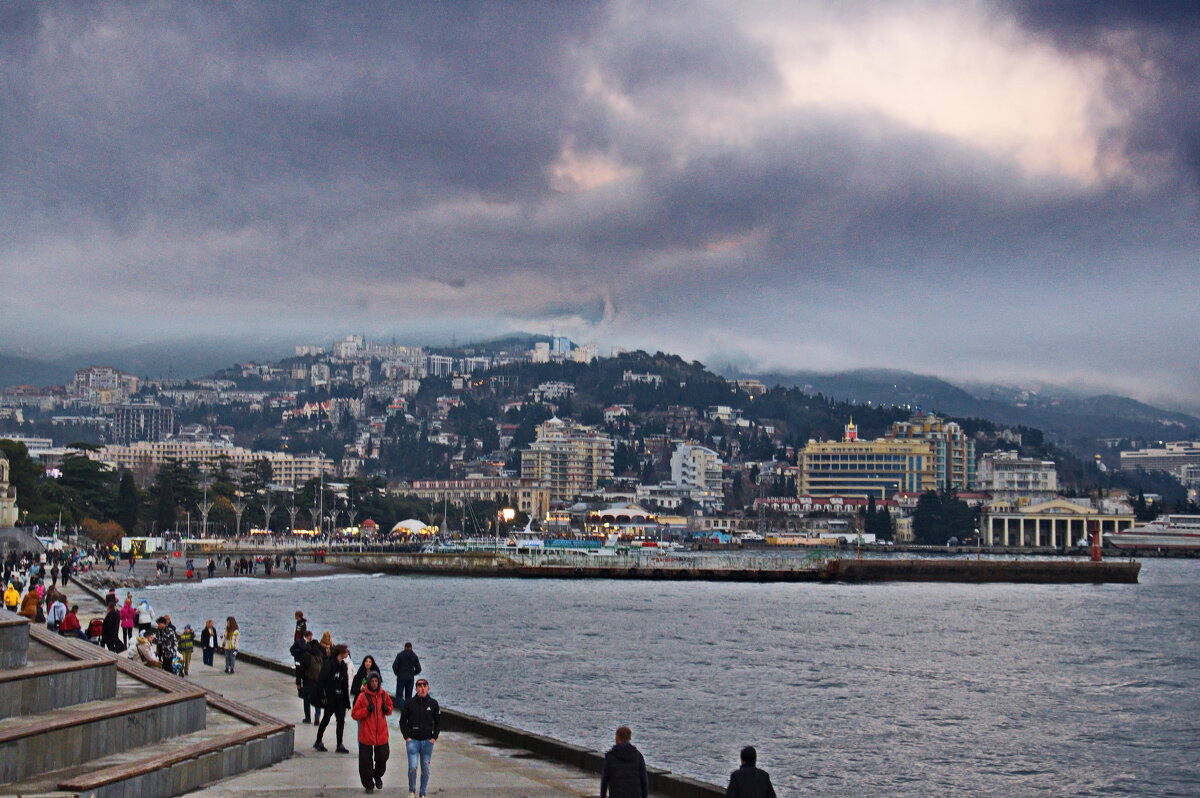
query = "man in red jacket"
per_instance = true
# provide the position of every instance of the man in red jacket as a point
(371, 710)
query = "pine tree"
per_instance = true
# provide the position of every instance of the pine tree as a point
(128, 503)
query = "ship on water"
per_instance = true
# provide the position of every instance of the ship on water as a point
(1169, 532)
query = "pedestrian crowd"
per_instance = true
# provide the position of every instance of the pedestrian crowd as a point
(324, 683)
(327, 690)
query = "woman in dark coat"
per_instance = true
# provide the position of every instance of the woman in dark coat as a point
(111, 637)
(359, 682)
(334, 688)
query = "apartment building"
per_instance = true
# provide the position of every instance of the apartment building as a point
(1009, 477)
(145, 457)
(527, 496)
(953, 451)
(569, 458)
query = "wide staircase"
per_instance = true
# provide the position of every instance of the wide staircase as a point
(77, 720)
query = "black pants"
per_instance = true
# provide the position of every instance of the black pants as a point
(340, 712)
(372, 762)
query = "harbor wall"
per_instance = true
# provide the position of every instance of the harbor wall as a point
(486, 564)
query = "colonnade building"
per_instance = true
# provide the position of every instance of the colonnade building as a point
(1058, 523)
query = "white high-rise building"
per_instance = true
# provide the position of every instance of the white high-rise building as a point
(1008, 476)
(697, 467)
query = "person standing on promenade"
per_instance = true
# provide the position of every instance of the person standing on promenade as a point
(624, 773)
(30, 605)
(749, 781)
(301, 627)
(208, 642)
(334, 687)
(371, 708)
(406, 667)
(110, 637)
(167, 643)
(212, 566)
(128, 617)
(310, 659)
(12, 597)
(145, 616)
(420, 723)
(187, 641)
(230, 643)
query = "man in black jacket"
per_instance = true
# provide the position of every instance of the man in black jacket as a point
(624, 773)
(334, 688)
(748, 781)
(420, 723)
(406, 667)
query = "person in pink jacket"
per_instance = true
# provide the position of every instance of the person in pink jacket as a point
(128, 616)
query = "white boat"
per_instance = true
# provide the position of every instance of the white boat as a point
(1176, 532)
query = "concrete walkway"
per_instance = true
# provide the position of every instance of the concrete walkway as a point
(463, 764)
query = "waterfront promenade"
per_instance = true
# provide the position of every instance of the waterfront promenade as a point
(464, 764)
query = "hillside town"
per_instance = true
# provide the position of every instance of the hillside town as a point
(381, 439)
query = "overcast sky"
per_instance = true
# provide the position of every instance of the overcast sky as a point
(1003, 190)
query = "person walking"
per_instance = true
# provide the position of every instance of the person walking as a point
(624, 773)
(420, 723)
(230, 643)
(208, 642)
(128, 618)
(334, 688)
(359, 682)
(371, 708)
(749, 781)
(310, 660)
(187, 641)
(406, 666)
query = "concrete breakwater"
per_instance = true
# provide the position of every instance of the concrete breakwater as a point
(736, 569)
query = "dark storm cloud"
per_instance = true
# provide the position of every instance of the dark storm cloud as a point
(1157, 38)
(602, 164)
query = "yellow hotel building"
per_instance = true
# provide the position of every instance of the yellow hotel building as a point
(878, 468)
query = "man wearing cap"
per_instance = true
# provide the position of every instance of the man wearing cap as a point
(420, 722)
(371, 709)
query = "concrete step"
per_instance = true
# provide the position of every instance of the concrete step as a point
(228, 745)
(138, 714)
(44, 686)
(14, 639)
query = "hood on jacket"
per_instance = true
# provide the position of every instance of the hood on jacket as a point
(625, 752)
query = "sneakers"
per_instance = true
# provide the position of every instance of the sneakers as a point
(319, 746)
(412, 794)
(341, 749)
(370, 789)
(379, 784)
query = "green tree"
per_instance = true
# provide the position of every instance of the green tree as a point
(128, 503)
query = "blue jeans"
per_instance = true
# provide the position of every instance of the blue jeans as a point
(230, 659)
(404, 690)
(422, 749)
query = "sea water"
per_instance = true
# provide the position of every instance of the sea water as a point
(894, 689)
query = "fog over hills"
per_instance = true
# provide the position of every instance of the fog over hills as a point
(1073, 420)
